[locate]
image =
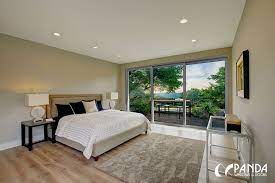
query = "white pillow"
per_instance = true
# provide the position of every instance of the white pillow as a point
(90, 106)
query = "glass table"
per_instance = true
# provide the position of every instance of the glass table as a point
(216, 125)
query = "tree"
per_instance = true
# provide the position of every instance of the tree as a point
(217, 89)
(139, 78)
(165, 78)
(209, 101)
(194, 95)
(168, 78)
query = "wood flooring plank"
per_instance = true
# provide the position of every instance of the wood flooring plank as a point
(53, 163)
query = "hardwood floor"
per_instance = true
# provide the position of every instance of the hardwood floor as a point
(49, 163)
(58, 163)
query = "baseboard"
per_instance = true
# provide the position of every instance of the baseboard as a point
(15, 143)
(8, 145)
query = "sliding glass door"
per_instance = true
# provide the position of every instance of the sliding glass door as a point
(178, 94)
(169, 94)
(205, 86)
(139, 87)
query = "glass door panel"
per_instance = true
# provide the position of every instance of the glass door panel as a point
(205, 92)
(139, 88)
(168, 94)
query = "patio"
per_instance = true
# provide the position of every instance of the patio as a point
(170, 112)
(172, 118)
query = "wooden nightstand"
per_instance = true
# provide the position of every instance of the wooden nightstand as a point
(30, 125)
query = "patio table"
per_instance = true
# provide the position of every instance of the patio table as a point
(174, 102)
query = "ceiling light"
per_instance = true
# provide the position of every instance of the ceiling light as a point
(183, 21)
(118, 56)
(194, 40)
(56, 34)
(95, 47)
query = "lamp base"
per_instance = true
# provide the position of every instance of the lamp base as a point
(112, 104)
(37, 113)
(37, 120)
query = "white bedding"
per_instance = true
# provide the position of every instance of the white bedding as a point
(89, 128)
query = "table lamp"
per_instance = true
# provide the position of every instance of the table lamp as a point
(36, 101)
(112, 96)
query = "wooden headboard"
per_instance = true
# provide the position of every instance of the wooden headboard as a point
(66, 99)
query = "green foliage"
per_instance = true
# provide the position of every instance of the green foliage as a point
(210, 100)
(194, 95)
(198, 111)
(168, 78)
(139, 78)
(217, 90)
(204, 109)
(165, 78)
(139, 101)
(205, 102)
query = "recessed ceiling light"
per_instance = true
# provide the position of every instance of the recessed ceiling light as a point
(194, 40)
(95, 47)
(118, 56)
(57, 34)
(183, 21)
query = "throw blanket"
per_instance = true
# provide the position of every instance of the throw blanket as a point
(87, 129)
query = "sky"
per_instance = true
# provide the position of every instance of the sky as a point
(197, 74)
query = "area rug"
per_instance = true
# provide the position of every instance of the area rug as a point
(157, 158)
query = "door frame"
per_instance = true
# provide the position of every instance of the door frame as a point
(184, 63)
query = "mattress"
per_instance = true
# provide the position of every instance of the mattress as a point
(107, 144)
(91, 129)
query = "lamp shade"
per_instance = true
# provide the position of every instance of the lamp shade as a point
(36, 99)
(112, 95)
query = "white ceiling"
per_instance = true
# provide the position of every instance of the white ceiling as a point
(134, 29)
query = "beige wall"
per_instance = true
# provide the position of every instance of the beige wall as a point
(209, 54)
(256, 32)
(30, 67)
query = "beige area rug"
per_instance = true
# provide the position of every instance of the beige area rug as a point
(157, 158)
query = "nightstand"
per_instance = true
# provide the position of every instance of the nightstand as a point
(30, 125)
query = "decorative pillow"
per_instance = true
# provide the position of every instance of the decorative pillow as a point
(78, 107)
(99, 105)
(90, 106)
(64, 110)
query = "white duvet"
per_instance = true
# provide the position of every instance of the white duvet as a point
(87, 129)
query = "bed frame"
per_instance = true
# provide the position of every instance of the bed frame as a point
(99, 147)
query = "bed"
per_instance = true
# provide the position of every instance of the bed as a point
(128, 126)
